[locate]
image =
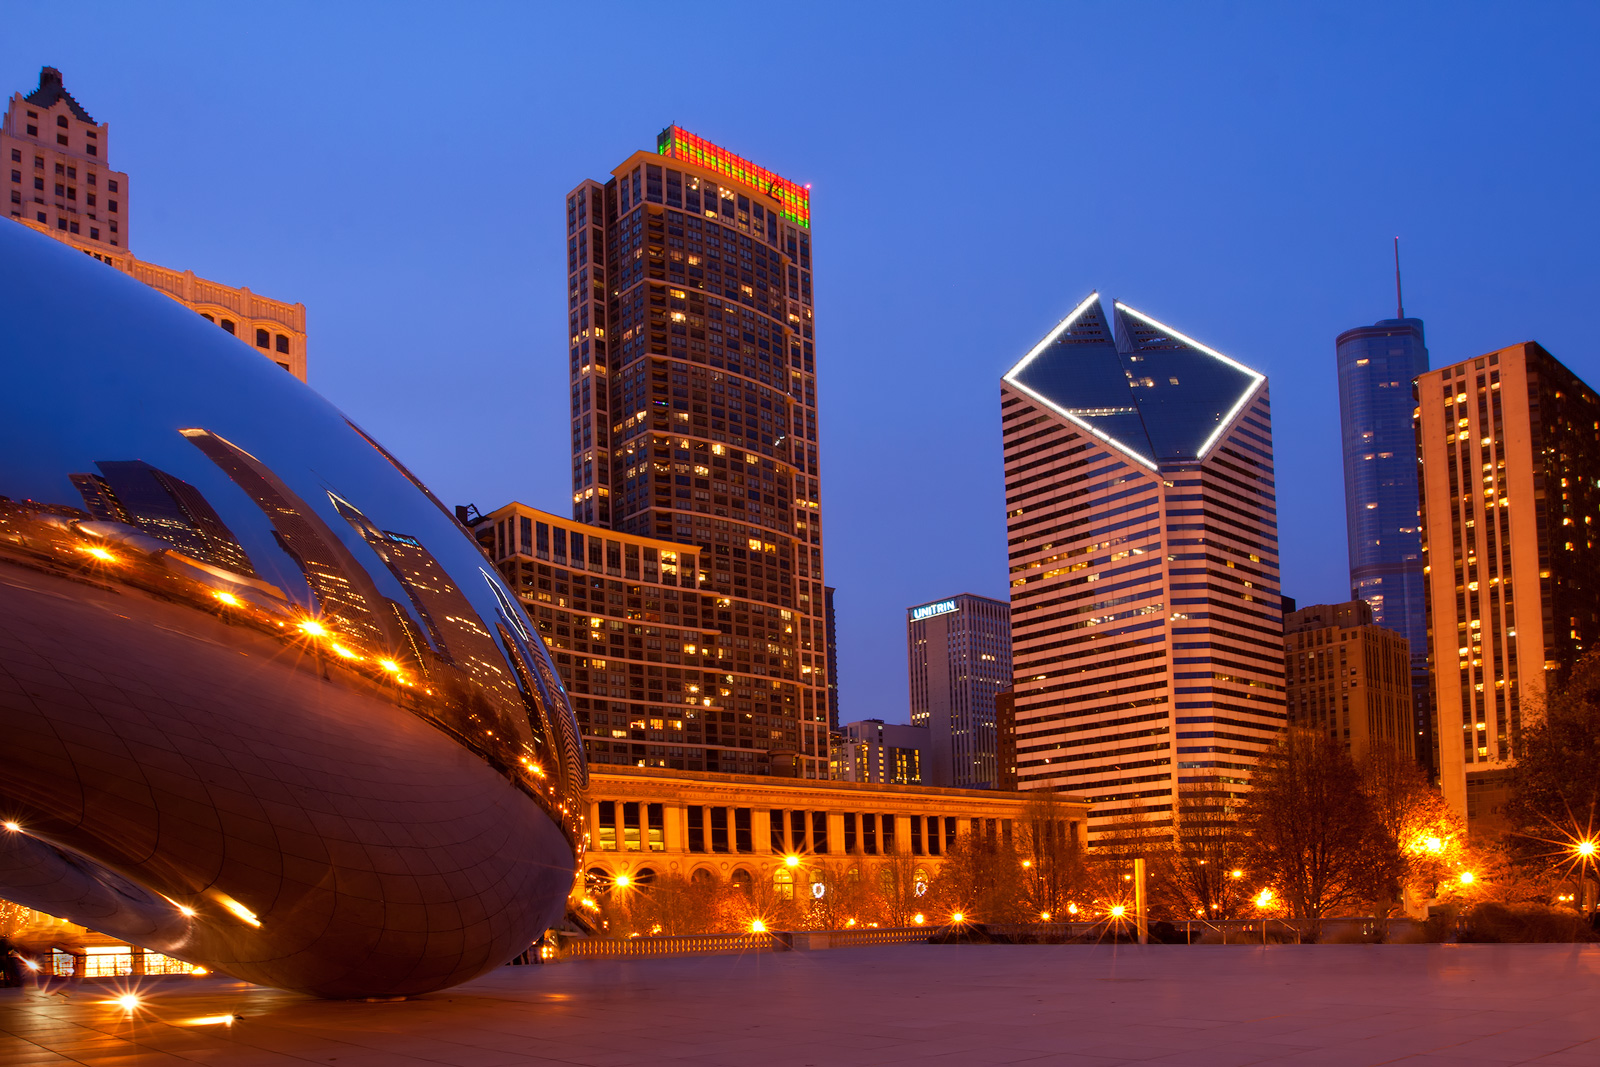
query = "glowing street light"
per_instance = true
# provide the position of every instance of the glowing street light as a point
(622, 881)
(227, 598)
(1118, 911)
(918, 918)
(127, 1001)
(1264, 898)
(758, 927)
(791, 861)
(958, 917)
(13, 827)
(1586, 848)
(1467, 878)
(1235, 873)
(313, 628)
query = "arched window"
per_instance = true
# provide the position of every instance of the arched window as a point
(644, 877)
(227, 324)
(283, 343)
(700, 876)
(783, 883)
(263, 339)
(597, 880)
(209, 318)
(741, 880)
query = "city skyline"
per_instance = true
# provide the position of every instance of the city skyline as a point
(1506, 279)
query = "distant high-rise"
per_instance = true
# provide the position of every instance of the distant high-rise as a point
(959, 654)
(1510, 449)
(1142, 520)
(875, 751)
(61, 183)
(693, 392)
(1377, 365)
(1349, 678)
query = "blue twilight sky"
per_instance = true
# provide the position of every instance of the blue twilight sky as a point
(1235, 170)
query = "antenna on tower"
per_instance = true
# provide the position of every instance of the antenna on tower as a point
(1400, 305)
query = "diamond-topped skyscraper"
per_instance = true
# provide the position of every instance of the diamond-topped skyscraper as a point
(694, 419)
(1146, 619)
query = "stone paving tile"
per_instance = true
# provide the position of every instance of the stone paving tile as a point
(1073, 1006)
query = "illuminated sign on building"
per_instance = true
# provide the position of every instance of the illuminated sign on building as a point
(928, 611)
(675, 142)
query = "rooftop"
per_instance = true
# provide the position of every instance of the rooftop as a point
(1081, 1006)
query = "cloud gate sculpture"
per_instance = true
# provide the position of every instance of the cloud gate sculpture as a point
(264, 706)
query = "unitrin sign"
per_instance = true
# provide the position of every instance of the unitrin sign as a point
(928, 611)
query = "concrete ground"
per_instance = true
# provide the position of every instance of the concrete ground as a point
(1201, 1006)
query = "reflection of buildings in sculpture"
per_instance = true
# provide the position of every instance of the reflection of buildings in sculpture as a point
(450, 621)
(341, 588)
(79, 200)
(163, 506)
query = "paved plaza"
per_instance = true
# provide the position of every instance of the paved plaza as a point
(1202, 1006)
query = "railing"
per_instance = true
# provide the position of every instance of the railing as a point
(1192, 931)
(616, 948)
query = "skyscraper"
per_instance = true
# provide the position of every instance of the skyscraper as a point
(959, 654)
(1141, 514)
(1349, 678)
(693, 391)
(1377, 365)
(61, 183)
(1510, 449)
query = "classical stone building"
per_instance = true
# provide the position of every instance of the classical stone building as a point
(646, 823)
(60, 182)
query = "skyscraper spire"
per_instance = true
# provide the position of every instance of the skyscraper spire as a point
(1400, 305)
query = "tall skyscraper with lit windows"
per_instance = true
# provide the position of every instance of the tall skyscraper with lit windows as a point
(959, 653)
(1377, 365)
(694, 418)
(1146, 620)
(1510, 450)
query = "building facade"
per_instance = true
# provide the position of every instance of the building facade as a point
(1141, 516)
(693, 389)
(1005, 732)
(660, 675)
(58, 164)
(1377, 365)
(1510, 450)
(875, 751)
(649, 823)
(959, 654)
(1349, 678)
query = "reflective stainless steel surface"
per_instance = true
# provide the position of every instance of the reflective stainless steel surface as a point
(264, 706)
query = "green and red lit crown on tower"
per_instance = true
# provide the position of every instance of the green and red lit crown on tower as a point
(794, 200)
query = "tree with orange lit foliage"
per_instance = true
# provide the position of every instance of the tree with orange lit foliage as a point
(1432, 839)
(1311, 834)
(1555, 785)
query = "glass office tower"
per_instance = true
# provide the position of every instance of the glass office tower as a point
(1146, 621)
(1377, 365)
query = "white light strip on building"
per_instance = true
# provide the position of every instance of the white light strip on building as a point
(1050, 338)
(1256, 376)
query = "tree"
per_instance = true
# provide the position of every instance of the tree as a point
(1050, 858)
(1194, 875)
(1431, 838)
(1555, 785)
(1312, 835)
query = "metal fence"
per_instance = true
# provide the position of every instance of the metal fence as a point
(1342, 929)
